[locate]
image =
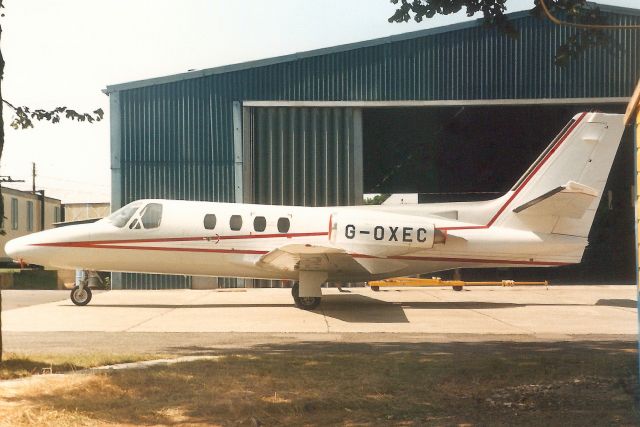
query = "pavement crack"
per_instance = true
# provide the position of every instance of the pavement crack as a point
(148, 319)
(529, 331)
(169, 310)
(326, 322)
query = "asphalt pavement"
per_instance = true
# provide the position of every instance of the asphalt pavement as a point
(14, 298)
(190, 321)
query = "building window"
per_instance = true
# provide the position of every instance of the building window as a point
(56, 214)
(235, 222)
(283, 225)
(209, 221)
(259, 223)
(29, 215)
(14, 213)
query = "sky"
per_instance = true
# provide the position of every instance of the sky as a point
(64, 52)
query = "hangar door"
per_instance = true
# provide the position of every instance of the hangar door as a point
(302, 156)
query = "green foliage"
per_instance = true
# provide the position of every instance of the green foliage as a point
(378, 199)
(493, 11)
(25, 116)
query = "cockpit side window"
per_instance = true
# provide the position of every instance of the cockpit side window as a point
(120, 217)
(151, 215)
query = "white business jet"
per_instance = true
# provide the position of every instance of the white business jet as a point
(543, 221)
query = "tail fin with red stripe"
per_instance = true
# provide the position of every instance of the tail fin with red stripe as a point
(561, 190)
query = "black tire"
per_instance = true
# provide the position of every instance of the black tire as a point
(306, 303)
(375, 288)
(80, 298)
(457, 288)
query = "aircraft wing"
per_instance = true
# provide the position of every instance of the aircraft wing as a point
(325, 258)
(570, 200)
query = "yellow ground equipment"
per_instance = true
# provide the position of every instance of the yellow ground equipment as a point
(457, 285)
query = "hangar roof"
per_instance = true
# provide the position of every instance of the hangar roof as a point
(329, 50)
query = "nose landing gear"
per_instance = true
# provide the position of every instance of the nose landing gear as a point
(81, 295)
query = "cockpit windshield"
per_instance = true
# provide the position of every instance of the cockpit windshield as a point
(151, 215)
(120, 217)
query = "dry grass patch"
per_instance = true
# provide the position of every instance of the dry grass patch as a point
(474, 384)
(16, 365)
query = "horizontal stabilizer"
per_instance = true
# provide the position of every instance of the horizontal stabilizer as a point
(570, 200)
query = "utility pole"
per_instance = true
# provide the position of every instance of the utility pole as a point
(632, 117)
(33, 177)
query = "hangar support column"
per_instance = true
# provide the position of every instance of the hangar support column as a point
(116, 171)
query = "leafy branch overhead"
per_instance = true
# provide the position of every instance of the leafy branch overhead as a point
(572, 12)
(25, 116)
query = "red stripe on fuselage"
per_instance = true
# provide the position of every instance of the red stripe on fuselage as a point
(162, 248)
(90, 243)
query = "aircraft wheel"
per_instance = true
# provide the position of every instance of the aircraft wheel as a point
(305, 303)
(457, 288)
(80, 297)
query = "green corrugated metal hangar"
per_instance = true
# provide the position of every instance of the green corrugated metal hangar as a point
(459, 109)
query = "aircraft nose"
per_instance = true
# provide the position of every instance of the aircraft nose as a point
(16, 248)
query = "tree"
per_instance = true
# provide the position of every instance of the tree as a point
(378, 199)
(24, 118)
(584, 16)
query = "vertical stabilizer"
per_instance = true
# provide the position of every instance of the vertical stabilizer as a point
(561, 190)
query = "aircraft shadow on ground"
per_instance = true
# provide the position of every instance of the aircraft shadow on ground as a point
(356, 308)
(625, 303)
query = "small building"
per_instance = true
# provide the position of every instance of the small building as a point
(82, 211)
(25, 213)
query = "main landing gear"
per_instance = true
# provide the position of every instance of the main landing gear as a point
(304, 303)
(307, 293)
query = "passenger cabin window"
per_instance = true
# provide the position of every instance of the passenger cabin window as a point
(283, 225)
(235, 223)
(259, 223)
(209, 221)
(151, 215)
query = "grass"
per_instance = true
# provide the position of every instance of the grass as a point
(16, 365)
(526, 384)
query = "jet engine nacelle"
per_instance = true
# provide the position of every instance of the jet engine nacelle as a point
(383, 234)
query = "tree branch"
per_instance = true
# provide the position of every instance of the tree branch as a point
(25, 116)
(580, 14)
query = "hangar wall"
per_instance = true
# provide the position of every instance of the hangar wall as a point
(303, 156)
(175, 137)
